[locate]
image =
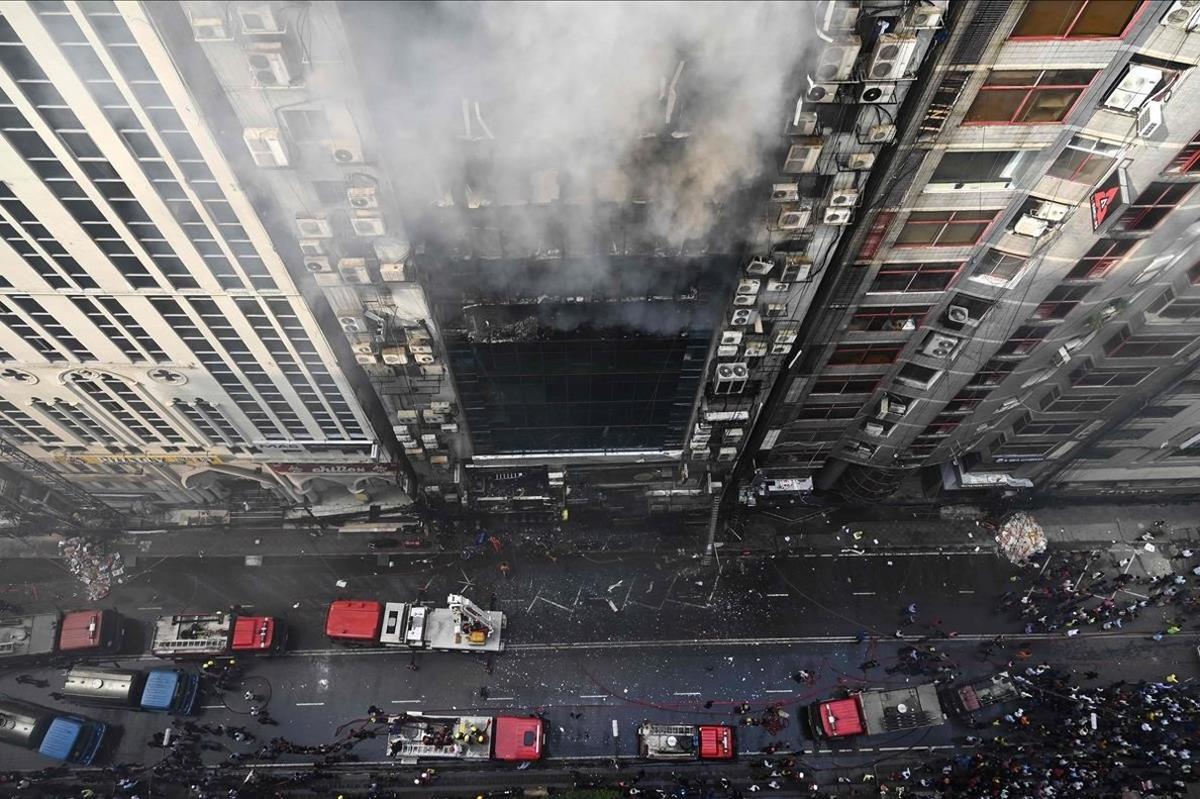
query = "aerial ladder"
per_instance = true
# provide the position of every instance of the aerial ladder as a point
(469, 617)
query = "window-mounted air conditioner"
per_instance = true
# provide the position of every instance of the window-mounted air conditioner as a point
(786, 337)
(796, 266)
(794, 218)
(1134, 89)
(838, 15)
(731, 337)
(803, 157)
(1183, 14)
(267, 146)
(1049, 211)
(731, 378)
(346, 152)
(785, 192)
(362, 197)
(759, 267)
(923, 17)
(780, 349)
(1031, 226)
(392, 273)
(889, 61)
(727, 351)
(881, 134)
(873, 429)
(836, 61)
(1062, 356)
(318, 264)
(742, 317)
(756, 350)
(259, 19)
(353, 324)
(354, 270)
(744, 300)
(394, 356)
(818, 92)
(367, 225)
(939, 346)
(838, 216)
(314, 228)
(210, 29)
(877, 93)
(860, 161)
(748, 286)
(1149, 118)
(312, 247)
(271, 66)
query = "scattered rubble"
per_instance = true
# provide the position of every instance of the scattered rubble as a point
(1020, 538)
(95, 566)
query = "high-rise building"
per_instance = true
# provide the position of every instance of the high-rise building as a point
(1014, 310)
(154, 343)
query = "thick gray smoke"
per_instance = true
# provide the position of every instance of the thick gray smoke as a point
(572, 92)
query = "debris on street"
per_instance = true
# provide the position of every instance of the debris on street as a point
(1020, 538)
(95, 566)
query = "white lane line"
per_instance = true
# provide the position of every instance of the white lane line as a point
(778, 691)
(500, 698)
(309, 704)
(863, 593)
(151, 607)
(407, 701)
(593, 696)
(211, 707)
(965, 591)
(687, 693)
(778, 595)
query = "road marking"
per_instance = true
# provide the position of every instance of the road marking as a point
(593, 696)
(152, 607)
(965, 591)
(500, 698)
(309, 704)
(778, 595)
(779, 690)
(211, 707)
(687, 693)
(916, 748)
(864, 593)
(407, 701)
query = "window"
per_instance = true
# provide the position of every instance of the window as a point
(1031, 428)
(917, 376)
(1185, 309)
(962, 406)
(915, 277)
(1075, 19)
(998, 268)
(1128, 433)
(985, 166)
(864, 354)
(1026, 97)
(1152, 205)
(1126, 345)
(1101, 259)
(1099, 453)
(824, 412)
(1188, 159)
(1061, 301)
(849, 385)
(944, 228)
(1084, 160)
(1024, 339)
(890, 318)
(1079, 405)
(993, 373)
(1108, 378)
(1161, 411)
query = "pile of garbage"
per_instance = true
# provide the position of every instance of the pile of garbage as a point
(1020, 538)
(95, 566)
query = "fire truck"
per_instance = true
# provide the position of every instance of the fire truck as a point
(415, 736)
(876, 711)
(972, 698)
(461, 627)
(685, 741)
(204, 635)
(76, 634)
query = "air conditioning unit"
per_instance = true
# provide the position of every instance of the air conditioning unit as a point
(1049, 211)
(802, 123)
(836, 61)
(780, 349)
(838, 216)
(1134, 89)
(392, 273)
(843, 198)
(1150, 118)
(744, 299)
(787, 337)
(311, 227)
(731, 337)
(269, 66)
(881, 134)
(210, 29)
(796, 266)
(312, 247)
(795, 218)
(748, 286)
(759, 267)
(394, 356)
(959, 314)
(1031, 226)
(420, 349)
(353, 324)
(839, 16)
(923, 17)
(731, 378)
(318, 264)
(742, 317)
(267, 146)
(727, 351)
(366, 225)
(939, 346)
(873, 429)
(424, 359)
(363, 347)
(354, 270)
(778, 286)
(362, 197)
(1062, 357)
(366, 360)
(785, 192)
(259, 19)
(898, 408)
(877, 93)
(818, 92)
(803, 157)
(756, 350)
(890, 59)
(860, 161)
(346, 152)
(1183, 14)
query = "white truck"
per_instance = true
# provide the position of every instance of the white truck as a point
(461, 627)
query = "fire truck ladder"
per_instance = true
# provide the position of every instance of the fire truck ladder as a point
(91, 511)
(461, 606)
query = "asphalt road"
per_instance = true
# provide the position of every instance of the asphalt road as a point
(606, 638)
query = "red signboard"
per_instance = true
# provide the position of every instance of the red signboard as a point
(1108, 198)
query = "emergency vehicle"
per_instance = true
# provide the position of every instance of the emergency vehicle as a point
(685, 741)
(75, 634)
(969, 699)
(461, 627)
(204, 635)
(414, 736)
(876, 711)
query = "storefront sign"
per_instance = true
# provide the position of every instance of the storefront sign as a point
(1109, 198)
(334, 468)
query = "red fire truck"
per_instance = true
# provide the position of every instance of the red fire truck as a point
(414, 736)
(685, 741)
(76, 634)
(876, 711)
(461, 627)
(204, 635)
